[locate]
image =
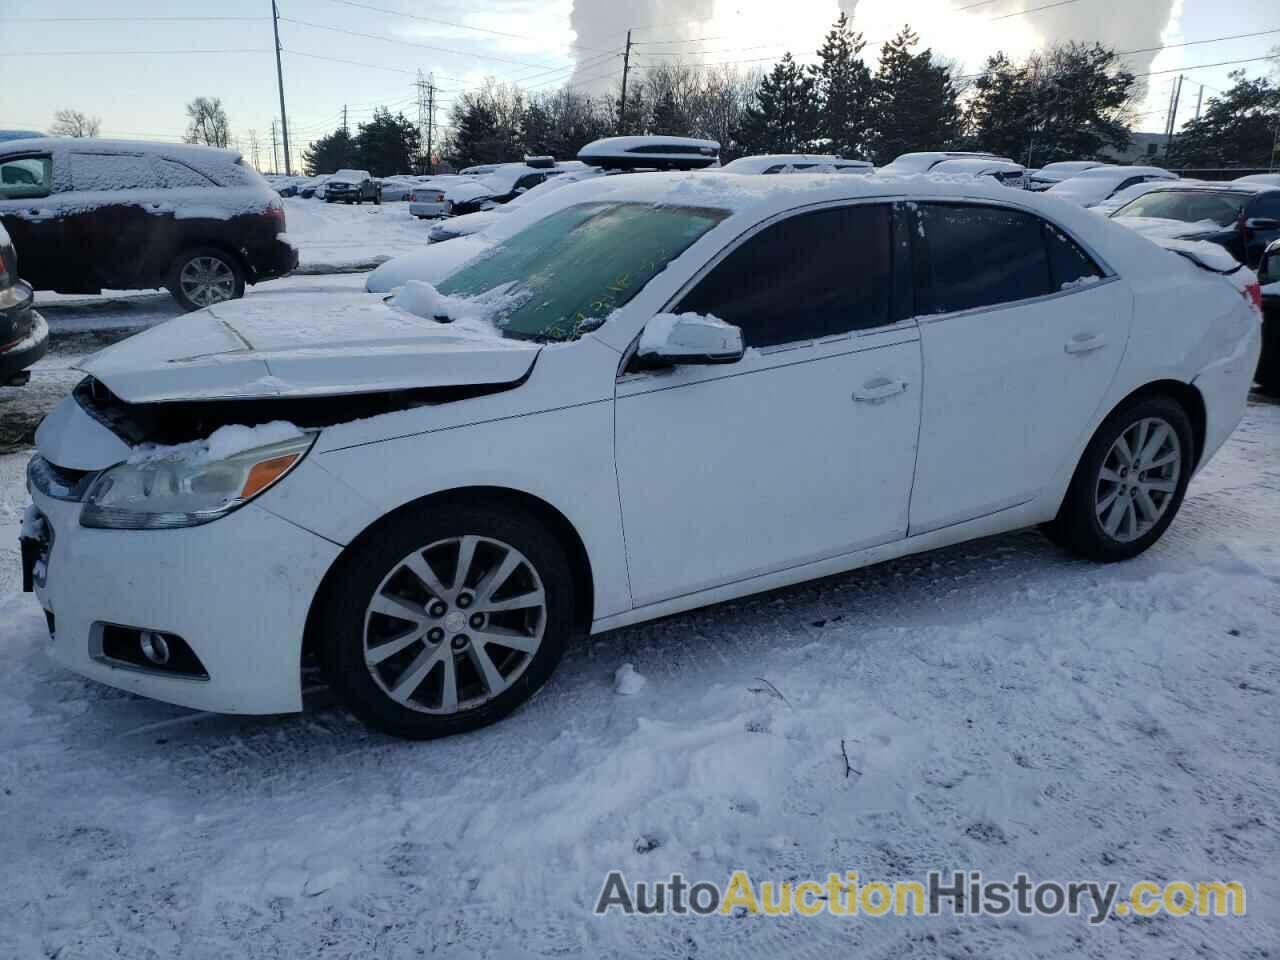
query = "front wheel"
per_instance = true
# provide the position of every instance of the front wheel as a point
(205, 276)
(1130, 482)
(447, 619)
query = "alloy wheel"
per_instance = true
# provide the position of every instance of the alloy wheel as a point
(1138, 479)
(207, 280)
(454, 624)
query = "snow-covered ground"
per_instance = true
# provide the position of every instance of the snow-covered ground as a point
(334, 237)
(1003, 708)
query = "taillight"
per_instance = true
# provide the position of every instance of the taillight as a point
(276, 212)
(1253, 293)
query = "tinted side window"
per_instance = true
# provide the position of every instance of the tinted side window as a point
(982, 256)
(530, 180)
(809, 276)
(1268, 205)
(111, 171)
(1068, 263)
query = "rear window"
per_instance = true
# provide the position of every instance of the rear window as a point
(983, 256)
(175, 175)
(25, 177)
(1189, 206)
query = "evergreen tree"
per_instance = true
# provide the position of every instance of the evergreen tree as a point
(1237, 129)
(330, 153)
(915, 101)
(476, 137)
(536, 131)
(667, 118)
(784, 116)
(843, 86)
(1065, 104)
(387, 144)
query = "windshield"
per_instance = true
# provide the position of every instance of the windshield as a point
(1190, 206)
(568, 271)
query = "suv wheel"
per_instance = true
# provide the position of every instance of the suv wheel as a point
(205, 276)
(1129, 483)
(447, 620)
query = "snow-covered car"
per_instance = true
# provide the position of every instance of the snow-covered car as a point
(510, 180)
(427, 199)
(471, 223)
(651, 153)
(479, 168)
(312, 187)
(90, 214)
(352, 186)
(680, 389)
(1093, 186)
(393, 189)
(1007, 173)
(1118, 199)
(1243, 218)
(24, 336)
(1053, 173)
(1269, 281)
(926, 160)
(796, 163)
(1266, 179)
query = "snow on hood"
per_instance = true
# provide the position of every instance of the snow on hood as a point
(223, 443)
(1163, 227)
(326, 344)
(431, 264)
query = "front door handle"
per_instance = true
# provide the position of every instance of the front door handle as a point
(1085, 343)
(880, 388)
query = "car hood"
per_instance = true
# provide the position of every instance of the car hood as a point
(318, 345)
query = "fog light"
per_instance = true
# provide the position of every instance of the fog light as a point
(154, 647)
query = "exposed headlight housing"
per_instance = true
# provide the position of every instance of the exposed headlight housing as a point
(184, 489)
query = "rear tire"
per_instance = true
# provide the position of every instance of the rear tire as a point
(421, 660)
(1129, 483)
(204, 276)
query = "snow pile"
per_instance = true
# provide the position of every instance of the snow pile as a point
(1164, 227)
(4, 237)
(33, 527)
(626, 682)
(222, 443)
(478, 314)
(1086, 281)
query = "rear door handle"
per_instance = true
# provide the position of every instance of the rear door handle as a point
(880, 388)
(1085, 343)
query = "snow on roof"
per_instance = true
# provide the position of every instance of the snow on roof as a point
(1217, 186)
(612, 146)
(1122, 173)
(759, 163)
(190, 152)
(350, 175)
(977, 166)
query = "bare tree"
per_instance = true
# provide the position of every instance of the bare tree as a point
(208, 122)
(253, 148)
(73, 123)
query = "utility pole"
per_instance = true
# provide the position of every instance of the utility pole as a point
(275, 158)
(344, 120)
(431, 122)
(1199, 99)
(284, 122)
(622, 104)
(1173, 117)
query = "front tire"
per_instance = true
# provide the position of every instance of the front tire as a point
(447, 619)
(205, 276)
(1130, 482)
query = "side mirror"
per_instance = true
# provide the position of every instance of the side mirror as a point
(1262, 223)
(670, 339)
(1269, 268)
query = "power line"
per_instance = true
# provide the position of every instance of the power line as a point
(1193, 43)
(1021, 13)
(124, 19)
(447, 23)
(127, 53)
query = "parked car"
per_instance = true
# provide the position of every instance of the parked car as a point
(1269, 280)
(1244, 218)
(1118, 199)
(426, 200)
(393, 189)
(352, 186)
(924, 161)
(1052, 173)
(1007, 173)
(1266, 179)
(469, 194)
(472, 223)
(651, 153)
(796, 163)
(309, 189)
(92, 214)
(24, 336)
(421, 504)
(1095, 185)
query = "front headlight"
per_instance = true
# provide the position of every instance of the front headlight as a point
(184, 486)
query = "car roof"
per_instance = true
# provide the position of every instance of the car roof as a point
(1122, 172)
(179, 151)
(1210, 186)
(978, 165)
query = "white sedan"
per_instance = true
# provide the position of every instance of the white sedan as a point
(679, 389)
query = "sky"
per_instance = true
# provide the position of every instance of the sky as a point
(136, 63)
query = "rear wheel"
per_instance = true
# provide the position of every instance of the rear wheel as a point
(1130, 482)
(447, 620)
(205, 276)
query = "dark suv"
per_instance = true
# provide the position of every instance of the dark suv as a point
(352, 186)
(1242, 217)
(24, 336)
(91, 214)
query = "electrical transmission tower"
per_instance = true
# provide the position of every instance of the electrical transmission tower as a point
(427, 118)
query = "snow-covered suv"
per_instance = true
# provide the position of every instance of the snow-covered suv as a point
(91, 214)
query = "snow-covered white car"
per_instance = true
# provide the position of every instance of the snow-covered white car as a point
(1266, 179)
(396, 188)
(925, 160)
(426, 199)
(1007, 173)
(471, 223)
(796, 163)
(1093, 186)
(680, 389)
(510, 180)
(1053, 173)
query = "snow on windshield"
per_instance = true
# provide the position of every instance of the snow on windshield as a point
(478, 314)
